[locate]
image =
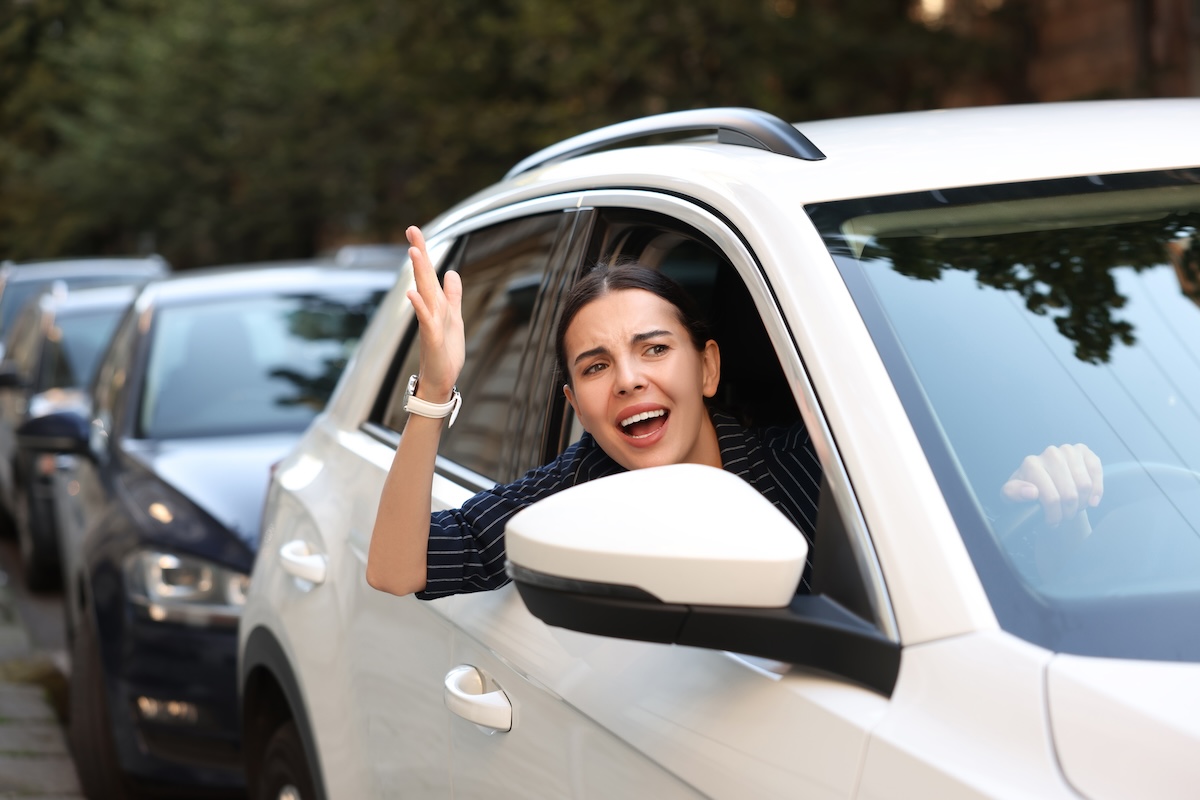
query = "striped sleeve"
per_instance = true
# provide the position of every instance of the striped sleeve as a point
(466, 545)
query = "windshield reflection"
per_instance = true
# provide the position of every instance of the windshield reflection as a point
(1043, 319)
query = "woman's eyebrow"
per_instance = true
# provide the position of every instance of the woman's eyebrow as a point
(638, 338)
(595, 351)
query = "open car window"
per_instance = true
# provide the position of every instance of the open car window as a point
(753, 387)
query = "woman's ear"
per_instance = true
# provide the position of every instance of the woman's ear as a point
(711, 364)
(570, 395)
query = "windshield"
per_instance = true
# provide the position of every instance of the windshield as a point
(250, 365)
(19, 289)
(1020, 316)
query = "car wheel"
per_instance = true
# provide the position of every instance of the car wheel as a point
(89, 726)
(285, 774)
(36, 555)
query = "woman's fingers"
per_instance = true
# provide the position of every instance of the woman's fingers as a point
(423, 273)
(1095, 468)
(1064, 479)
(439, 315)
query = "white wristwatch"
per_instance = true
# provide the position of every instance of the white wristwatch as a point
(424, 408)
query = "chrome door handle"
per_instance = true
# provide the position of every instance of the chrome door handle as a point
(300, 561)
(466, 696)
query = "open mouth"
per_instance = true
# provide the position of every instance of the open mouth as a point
(639, 426)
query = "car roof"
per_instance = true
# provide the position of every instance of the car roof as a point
(151, 266)
(81, 301)
(885, 154)
(214, 283)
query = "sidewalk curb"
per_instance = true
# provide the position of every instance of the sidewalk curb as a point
(34, 759)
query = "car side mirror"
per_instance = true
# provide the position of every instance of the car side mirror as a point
(690, 555)
(60, 432)
(11, 376)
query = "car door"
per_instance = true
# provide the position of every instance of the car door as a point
(401, 646)
(80, 494)
(594, 716)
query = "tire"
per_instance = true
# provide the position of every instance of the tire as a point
(89, 725)
(38, 559)
(284, 774)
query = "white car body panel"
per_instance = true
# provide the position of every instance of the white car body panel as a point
(333, 628)
(699, 714)
(1126, 728)
(967, 719)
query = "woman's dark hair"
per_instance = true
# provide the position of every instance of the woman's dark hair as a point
(606, 278)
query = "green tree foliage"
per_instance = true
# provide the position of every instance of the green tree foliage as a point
(226, 130)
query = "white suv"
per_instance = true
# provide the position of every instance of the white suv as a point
(933, 295)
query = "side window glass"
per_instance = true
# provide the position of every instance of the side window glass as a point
(753, 389)
(22, 340)
(111, 374)
(502, 270)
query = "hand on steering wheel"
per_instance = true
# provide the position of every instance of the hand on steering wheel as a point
(1064, 479)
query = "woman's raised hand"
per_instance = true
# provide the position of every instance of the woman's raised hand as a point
(439, 314)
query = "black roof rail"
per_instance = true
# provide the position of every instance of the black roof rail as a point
(745, 126)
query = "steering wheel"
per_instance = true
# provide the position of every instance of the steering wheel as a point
(1119, 488)
(1125, 543)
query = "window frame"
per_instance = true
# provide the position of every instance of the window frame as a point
(725, 239)
(515, 452)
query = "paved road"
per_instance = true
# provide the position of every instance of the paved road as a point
(34, 760)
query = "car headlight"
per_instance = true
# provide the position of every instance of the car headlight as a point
(168, 587)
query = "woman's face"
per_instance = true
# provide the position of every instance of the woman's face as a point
(638, 383)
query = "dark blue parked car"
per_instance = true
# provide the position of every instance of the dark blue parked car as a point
(51, 354)
(208, 382)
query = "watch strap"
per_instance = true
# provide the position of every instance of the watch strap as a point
(424, 408)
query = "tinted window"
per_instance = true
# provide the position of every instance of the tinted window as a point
(502, 269)
(23, 339)
(248, 365)
(111, 375)
(1016, 317)
(16, 294)
(73, 346)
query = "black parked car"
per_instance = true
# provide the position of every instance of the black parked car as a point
(208, 381)
(21, 282)
(51, 355)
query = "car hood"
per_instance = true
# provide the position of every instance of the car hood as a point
(1126, 728)
(227, 477)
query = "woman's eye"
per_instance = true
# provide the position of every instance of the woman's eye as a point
(593, 369)
(657, 349)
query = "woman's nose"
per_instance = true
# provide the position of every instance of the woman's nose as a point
(629, 378)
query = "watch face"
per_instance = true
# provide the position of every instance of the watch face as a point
(412, 385)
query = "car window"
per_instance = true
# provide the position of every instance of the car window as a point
(1019, 316)
(73, 347)
(112, 373)
(502, 268)
(753, 387)
(23, 339)
(16, 294)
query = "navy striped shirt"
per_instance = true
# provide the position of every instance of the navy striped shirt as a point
(466, 545)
